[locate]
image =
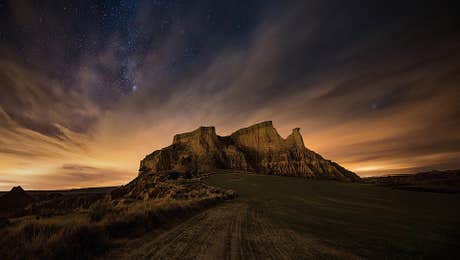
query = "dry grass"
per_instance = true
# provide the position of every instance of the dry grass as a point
(88, 233)
(37, 239)
(148, 215)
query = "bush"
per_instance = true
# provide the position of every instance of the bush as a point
(77, 236)
(99, 210)
(4, 222)
(41, 240)
(145, 215)
(78, 242)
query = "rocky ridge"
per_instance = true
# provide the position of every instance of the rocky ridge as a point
(447, 181)
(258, 148)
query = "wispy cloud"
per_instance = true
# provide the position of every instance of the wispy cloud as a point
(372, 93)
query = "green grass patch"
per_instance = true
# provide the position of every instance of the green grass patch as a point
(370, 221)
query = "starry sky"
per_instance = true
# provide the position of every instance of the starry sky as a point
(88, 88)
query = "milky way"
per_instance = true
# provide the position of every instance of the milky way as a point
(89, 87)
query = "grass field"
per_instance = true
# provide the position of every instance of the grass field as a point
(273, 217)
(365, 220)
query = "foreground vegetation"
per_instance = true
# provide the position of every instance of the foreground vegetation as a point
(86, 233)
(273, 217)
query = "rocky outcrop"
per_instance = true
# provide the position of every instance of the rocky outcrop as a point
(14, 202)
(258, 148)
(169, 185)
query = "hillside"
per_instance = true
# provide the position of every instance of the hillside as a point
(432, 181)
(13, 202)
(278, 217)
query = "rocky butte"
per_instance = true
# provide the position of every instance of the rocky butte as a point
(258, 148)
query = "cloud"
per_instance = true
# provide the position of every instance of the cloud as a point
(372, 93)
(69, 177)
(40, 103)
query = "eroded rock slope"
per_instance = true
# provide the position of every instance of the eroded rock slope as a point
(258, 148)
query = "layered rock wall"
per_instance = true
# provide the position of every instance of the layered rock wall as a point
(258, 148)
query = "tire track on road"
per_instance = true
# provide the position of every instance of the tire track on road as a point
(234, 230)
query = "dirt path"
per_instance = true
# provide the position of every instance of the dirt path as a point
(232, 231)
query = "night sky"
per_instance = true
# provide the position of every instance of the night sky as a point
(87, 88)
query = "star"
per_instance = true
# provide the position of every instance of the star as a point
(374, 106)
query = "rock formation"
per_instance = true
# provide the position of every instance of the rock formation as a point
(258, 148)
(14, 202)
(166, 185)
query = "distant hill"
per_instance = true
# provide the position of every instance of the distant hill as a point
(18, 202)
(258, 148)
(15, 200)
(432, 181)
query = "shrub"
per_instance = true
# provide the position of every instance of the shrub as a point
(42, 240)
(86, 236)
(4, 222)
(77, 242)
(99, 210)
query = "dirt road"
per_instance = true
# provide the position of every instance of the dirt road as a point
(232, 231)
(277, 217)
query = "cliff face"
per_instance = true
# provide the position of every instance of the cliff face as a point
(258, 148)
